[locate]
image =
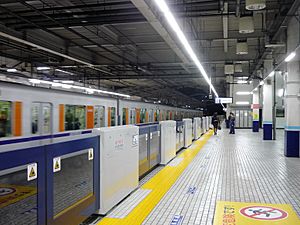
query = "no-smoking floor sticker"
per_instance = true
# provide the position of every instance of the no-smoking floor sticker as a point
(264, 213)
(238, 213)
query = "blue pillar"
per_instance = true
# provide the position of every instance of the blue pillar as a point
(268, 128)
(255, 126)
(292, 142)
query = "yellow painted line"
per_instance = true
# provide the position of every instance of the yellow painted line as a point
(160, 185)
(241, 213)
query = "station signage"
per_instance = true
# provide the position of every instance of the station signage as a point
(223, 100)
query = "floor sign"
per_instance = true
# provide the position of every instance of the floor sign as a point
(238, 213)
(10, 194)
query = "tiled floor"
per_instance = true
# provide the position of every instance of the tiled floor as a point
(238, 167)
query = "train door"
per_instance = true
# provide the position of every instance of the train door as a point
(99, 117)
(41, 118)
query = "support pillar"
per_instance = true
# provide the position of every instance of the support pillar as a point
(268, 102)
(255, 111)
(292, 97)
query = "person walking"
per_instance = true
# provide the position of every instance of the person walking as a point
(232, 123)
(215, 122)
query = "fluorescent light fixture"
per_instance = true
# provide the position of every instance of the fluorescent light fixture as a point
(243, 93)
(12, 70)
(56, 84)
(255, 89)
(290, 57)
(68, 86)
(63, 71)
(261, 83)
(242, 103)
(34, 81)
(280, 92)
(174, 25)
(67, 81)
(43, 68)
(271, 74)
(242, 82)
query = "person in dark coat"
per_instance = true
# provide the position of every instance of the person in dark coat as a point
(215, 122)
(232, 123)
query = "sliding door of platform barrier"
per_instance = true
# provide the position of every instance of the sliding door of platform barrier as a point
(154, 145)
(72, 169)
(243, 118)
(22, 187)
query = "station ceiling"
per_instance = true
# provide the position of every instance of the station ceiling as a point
(114, 45)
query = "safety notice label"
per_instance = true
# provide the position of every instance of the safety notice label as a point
(238, 213)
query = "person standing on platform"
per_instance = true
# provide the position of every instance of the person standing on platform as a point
(215, 122)
(232, 123)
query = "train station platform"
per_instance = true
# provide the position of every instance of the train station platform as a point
(220, 180)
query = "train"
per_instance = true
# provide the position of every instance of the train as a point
(30, 110)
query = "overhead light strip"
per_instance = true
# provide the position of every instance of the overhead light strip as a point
(174, 25)
(67, 86)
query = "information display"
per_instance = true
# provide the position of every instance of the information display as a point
(223, 100)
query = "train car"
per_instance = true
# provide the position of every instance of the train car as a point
(29, 110)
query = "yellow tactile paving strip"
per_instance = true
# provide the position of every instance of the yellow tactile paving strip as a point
(159, 184)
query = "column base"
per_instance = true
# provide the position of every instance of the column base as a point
(255, 126)
(291, 143)
(268, 131)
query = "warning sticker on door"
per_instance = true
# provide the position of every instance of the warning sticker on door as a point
(91, 154)
(237, 213)
(56, 164)
(32, 171)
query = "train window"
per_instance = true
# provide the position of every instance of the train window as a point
(143, 116)
(113, 116)
(151, 115)
(157, 116)
(41, 118)
(124, 116)
(75, 117)
(132, 116)
(5, 118)
(35, 118)
(168, 115)
(99, 118)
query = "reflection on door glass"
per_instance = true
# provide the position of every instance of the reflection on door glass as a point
(18, 199)
(132, 116)
(113, 116)
(5, 118)
(73, 182)
(99, 118)
(35, 118)
(124, 116)
(46, 118)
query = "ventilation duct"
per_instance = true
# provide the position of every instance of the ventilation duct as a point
(238, 68)
(255, 4)
(229, 69)
(246, 25)
(242, 48)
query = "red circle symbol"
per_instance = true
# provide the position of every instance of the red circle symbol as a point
(263, 213)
